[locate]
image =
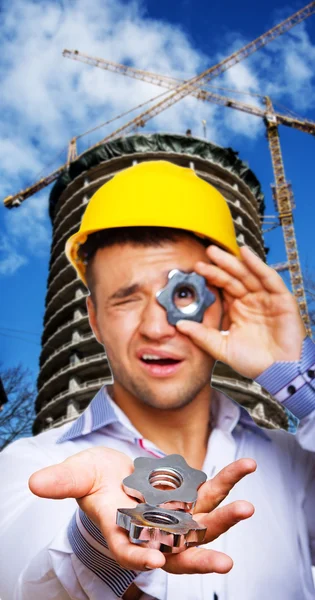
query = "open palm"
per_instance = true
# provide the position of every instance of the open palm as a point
(94, 478)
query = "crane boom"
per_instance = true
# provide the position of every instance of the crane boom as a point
(184, 89)
(237, 56)
(17, 199)
(200, 94)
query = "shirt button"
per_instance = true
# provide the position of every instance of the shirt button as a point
(291, 389)
(311, 373)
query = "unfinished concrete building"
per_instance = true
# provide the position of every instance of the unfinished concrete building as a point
(73, 366)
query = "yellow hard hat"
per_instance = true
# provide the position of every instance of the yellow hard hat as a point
(156, 194)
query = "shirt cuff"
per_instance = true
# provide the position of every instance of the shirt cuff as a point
(90, 547)
(293, 383)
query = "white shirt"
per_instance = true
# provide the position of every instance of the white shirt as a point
(272, 551)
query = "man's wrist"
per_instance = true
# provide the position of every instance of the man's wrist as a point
(91, 548)
(293, 383)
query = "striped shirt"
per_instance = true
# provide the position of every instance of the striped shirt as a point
(66, 556)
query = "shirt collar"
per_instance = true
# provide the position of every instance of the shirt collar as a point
(102, 412)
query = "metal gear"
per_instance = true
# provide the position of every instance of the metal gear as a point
(181, 482)
(194, 311)
(165, 530)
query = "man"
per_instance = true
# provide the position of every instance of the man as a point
(146, 221)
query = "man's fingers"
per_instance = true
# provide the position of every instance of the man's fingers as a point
(268, 277)
(72, 478)
(212, 492)
(223, 518)
(198, 560)
(193, 560)
(81, 474)
(131, 556)
(219, 278)
(236, 268)
(209, 340)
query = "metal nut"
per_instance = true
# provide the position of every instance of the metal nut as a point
(194, 311)
(180, 482)
(165, 530)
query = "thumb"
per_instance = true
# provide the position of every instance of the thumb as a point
(210, 340)
(73, 478)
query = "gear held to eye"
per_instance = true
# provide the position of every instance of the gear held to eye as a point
(185, 296)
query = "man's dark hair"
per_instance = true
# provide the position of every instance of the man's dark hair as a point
(138, 236)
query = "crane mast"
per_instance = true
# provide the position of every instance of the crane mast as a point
(284, 202)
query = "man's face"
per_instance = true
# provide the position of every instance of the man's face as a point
(149, 358)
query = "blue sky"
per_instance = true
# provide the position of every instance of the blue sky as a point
(47, 99)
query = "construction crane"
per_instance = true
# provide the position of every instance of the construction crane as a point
(201, 94)
(182, 90)
(185, 88)
(282, 192)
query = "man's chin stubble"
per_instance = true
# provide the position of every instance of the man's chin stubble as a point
(147, 397)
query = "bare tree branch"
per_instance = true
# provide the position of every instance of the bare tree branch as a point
(17, 415)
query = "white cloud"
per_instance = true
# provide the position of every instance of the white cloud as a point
(241, 78)
(28, 234)
(10, 260)
(29, 226)
(18, 153)
(47, 99)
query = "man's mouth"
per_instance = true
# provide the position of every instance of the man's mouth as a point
(159, 365)
(150, 359)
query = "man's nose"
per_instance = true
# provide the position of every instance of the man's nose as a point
(154, 323)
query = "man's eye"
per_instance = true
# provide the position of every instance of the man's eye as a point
(126, 301)
(184, 292)
(184, 296)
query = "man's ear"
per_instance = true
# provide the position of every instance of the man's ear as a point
(93, 318)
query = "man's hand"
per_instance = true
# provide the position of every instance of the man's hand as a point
(94, 478)
(263, 316)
